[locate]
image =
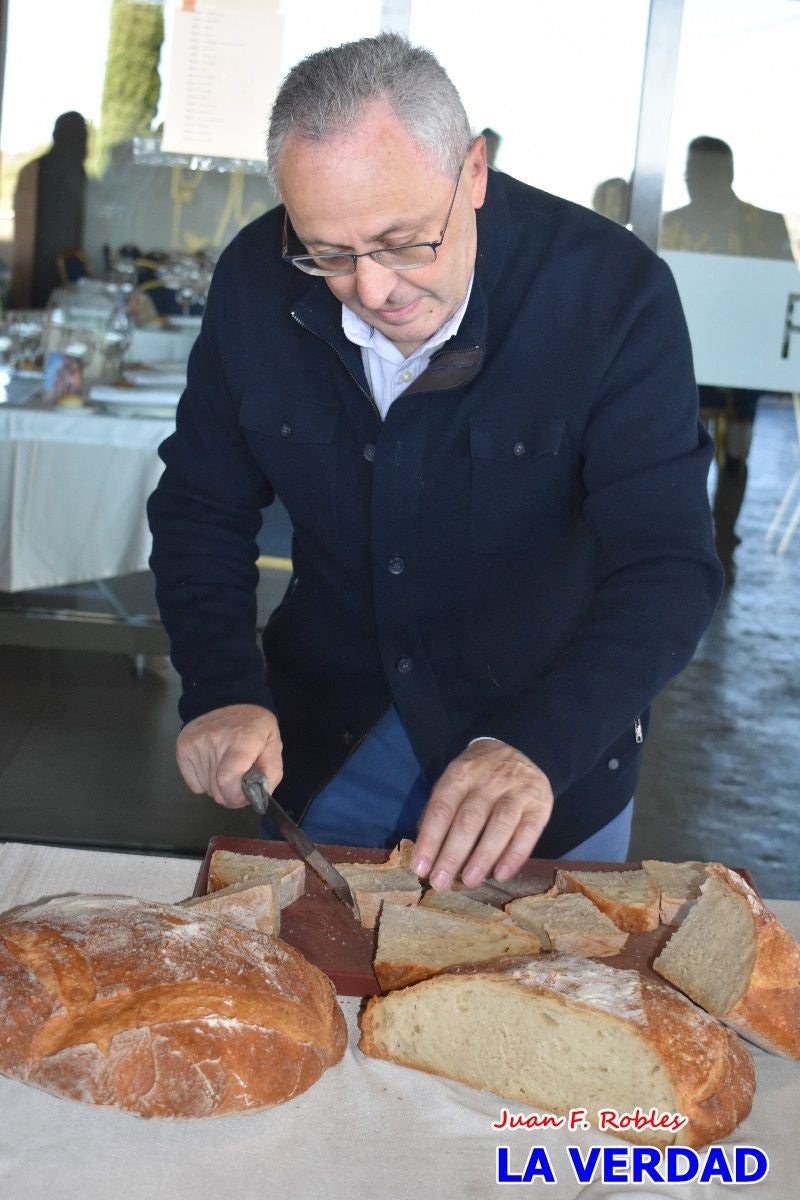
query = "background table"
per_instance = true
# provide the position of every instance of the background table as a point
(73, 489)
(366, 1129)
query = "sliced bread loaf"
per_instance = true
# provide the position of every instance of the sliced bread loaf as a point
(568, 922)
(415, 943)
(564, 1033)
(732, 956)
(679, 885)
(630, 898)
(227, 867)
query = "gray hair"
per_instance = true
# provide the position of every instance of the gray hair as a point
(325, 94)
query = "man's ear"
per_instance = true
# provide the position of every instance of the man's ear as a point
(476, 171)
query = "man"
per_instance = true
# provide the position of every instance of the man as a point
(476, 402)
(48, 212)
(716, 221)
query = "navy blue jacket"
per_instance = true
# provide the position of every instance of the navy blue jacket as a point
(521, 549)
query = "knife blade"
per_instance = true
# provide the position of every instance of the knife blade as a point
(256, 788)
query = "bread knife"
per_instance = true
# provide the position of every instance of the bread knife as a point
(256, 789)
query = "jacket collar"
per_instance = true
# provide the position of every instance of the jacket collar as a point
(460, 359)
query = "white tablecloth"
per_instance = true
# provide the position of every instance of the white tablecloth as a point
(366, 1129)
(73, 488)
(160, 345)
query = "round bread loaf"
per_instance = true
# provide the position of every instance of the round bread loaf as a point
(152, 1008)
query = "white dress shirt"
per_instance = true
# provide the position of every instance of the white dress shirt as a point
(388, 372)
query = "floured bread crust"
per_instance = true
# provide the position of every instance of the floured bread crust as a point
(152, 1008)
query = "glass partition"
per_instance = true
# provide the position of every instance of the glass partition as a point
(560, 83)
(108, 63)
(731, 228)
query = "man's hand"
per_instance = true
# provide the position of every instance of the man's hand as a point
(487, 810)
(216, 749)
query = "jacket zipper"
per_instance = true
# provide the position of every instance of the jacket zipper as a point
(637, 731)
(363, 390)
(437, 355)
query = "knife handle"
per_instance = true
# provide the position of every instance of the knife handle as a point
(255, 786)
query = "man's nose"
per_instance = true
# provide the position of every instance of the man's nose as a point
(374, 283)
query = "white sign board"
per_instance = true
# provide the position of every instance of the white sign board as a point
(225, 70)
(744, 319)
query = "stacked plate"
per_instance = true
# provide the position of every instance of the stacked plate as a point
(141, 401)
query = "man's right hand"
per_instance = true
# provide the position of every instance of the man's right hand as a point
(216, 749)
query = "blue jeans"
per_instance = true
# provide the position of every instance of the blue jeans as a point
(378, 797)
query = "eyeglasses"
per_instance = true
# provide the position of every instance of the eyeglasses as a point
(394, 258)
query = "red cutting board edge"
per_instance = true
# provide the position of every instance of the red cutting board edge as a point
(323, 930)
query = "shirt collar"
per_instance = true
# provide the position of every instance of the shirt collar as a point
(363, 334)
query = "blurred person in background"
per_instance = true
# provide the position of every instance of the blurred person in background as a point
(49, 212)
(716, 221)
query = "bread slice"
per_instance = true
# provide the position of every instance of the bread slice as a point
(415, 943)
(732, 956)
(630, 898)
(487, 892)
(400, 856)
(568, 922)
(253, 905)
(563, 1033)
(372, 885)
(679, 885)
(462, 904)
(227, 867)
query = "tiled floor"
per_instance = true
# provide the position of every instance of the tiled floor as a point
(86, 746)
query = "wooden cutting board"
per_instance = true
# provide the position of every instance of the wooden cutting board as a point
(324, 931)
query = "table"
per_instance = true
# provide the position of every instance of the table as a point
(161, 345)
(73, 488)
(366, 1129)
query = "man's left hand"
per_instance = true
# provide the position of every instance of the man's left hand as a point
(485, 815)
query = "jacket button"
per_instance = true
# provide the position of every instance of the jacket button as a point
(396, 565)
(519, 449)
(286, 429)
(369, 452)
(613, 763)
(404, 665)
(347, 736)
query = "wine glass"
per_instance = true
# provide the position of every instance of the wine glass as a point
(79, 350)
(26, 330)
(116, 341)
(5, 362)
(6, 347)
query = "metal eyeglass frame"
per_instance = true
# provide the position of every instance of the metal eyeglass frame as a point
(295, 260)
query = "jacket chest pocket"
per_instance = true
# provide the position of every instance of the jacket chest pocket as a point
(519, 486)
(294, 443)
